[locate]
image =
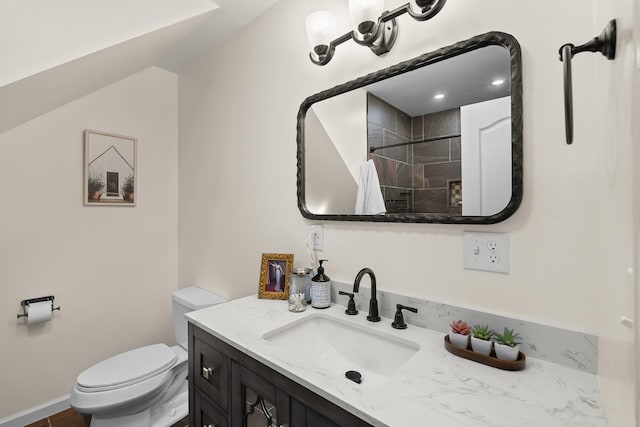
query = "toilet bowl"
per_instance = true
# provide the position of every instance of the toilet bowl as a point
(146, 386)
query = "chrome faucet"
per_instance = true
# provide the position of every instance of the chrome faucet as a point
(373, 301)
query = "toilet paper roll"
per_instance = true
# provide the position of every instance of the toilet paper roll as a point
(39, 312)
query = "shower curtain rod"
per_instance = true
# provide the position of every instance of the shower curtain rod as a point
(435, 138)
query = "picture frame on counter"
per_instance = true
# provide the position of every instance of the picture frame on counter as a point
(275, 276)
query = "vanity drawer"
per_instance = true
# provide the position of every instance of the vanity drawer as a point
(207, 413)
(211, 373)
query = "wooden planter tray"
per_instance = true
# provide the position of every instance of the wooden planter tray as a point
(491, 360)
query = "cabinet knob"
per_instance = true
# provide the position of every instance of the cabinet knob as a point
(207, 372)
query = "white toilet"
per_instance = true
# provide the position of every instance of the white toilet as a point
(146, 386)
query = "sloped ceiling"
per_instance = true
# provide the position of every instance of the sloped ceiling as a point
(57, 51)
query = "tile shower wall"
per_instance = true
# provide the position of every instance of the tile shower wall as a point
(436, 164)
(423, 177)
(386, 125)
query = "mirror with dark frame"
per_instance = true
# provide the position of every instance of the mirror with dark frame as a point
(436, 139)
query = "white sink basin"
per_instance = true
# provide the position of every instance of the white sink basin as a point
(328, 344)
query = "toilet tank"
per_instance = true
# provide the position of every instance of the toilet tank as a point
(186, 300)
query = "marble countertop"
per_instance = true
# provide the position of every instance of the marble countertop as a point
(434, 388)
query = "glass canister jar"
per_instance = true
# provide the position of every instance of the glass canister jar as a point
(300, 280)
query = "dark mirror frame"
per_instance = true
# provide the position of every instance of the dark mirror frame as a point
(492, 38)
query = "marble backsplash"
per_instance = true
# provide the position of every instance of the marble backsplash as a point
(565, 347)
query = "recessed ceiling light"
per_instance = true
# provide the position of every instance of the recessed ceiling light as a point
(497, 82)
(439, 96)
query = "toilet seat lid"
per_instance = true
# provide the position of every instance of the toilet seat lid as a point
(128, 368)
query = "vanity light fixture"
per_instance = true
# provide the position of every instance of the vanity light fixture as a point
(372, 27)
(498, 82)
(438, 96)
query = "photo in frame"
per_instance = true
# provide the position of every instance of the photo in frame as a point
(275, 275)
(109, 169)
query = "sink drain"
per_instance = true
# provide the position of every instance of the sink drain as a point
(354, 376)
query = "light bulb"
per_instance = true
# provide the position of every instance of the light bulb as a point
(365, 14)
(322, 28)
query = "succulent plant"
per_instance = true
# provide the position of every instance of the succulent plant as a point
(482, 332)
(94, 183)
(460, 327)
(508, 337)
(127, 186)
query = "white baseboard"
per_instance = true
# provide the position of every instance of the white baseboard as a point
(36, 413)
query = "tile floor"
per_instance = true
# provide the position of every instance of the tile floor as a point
(71, 418)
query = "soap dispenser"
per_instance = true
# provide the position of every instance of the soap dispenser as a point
(321, 288)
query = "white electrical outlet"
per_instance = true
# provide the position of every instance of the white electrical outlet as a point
(316, 237)
(486, 251)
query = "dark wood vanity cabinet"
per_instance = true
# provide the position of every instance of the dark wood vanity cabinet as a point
(224, 384)
(205, 413)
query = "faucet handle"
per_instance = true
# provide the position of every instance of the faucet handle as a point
(351, 305)
(398, 319)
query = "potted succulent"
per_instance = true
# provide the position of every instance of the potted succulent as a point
(459, 333)
(128, 187)
(95, 185)
(507, 346)
(481, 339)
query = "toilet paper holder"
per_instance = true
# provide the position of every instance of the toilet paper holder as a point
(25, 303)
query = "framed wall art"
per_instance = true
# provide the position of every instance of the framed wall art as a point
(109, 169)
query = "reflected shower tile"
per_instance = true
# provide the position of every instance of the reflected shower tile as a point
(380, 113)
(431, 200)
(431, 152)
(455, 145)
(417, 131)
(442, 123)
(397, 153)
(386, 168)
(403, 124)
(418, 177)
(404, 172)
(374, 136)
(439, 174)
